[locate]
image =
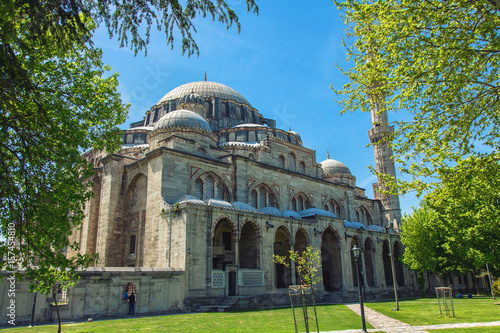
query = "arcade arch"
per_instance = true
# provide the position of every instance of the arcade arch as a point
(331, 261)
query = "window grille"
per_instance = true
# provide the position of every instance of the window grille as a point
(218, 280)
(262, 198)
(209, 187)
(300, 204)
(220, 191)
(198, 189)
(251, 277)
(253, 199)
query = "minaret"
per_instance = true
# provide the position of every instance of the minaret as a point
(384, 163)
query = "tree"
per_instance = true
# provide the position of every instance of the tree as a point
(307, 263)
(58, 100)
(422, 235)
(69, 104)
(456, 229)
(467, 204)
(439, 62)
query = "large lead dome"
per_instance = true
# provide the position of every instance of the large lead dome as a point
(205, 89)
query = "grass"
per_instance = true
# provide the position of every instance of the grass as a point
(493, 329)
(330, 317)
(425, 311)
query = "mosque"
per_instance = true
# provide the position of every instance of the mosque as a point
(206, 184)
(205, 190)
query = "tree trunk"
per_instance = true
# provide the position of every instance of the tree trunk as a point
(54, 294)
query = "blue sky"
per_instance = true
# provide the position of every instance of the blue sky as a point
(283, 62)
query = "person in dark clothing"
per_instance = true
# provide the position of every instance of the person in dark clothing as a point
(131, 303)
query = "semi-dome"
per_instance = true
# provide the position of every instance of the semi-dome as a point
(183, 118)
(205, 89)
(331, 167)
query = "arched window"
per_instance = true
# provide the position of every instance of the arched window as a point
(300, 202)
(281, 161)
(302, 167)
(209, 186)
(333, 207)
(291, 162)
(262, 196)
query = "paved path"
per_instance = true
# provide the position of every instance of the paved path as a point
(389, 325)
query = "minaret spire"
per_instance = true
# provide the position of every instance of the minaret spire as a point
(384, 163)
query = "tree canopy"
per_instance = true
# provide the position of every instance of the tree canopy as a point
(57, 100)
(456, 230)
(438, 61)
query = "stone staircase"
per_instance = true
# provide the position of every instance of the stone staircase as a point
(333, 297)
(228, 304)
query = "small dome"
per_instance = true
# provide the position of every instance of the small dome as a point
(183, 118)
(356, 225)
(190, 199)
(296, 135)
(291, 213)
(243, 206)
(218, 202)
(375, 228)
(271, 211)
(315, 211)
(331, 167)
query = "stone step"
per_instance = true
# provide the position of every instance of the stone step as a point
(214, 308)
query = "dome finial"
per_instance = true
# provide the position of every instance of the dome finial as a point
(327, 154)
(205, 76)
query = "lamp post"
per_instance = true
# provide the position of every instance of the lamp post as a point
(356, 251)
(387, 226)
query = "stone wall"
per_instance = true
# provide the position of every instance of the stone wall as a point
(98, 294)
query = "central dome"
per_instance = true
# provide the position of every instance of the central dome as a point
(205, 89)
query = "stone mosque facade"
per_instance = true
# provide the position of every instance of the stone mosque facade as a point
(206, 184)
(205, 190)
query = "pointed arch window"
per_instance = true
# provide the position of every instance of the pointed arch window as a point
(209, 186)
(300, 202)
(262, 196)
(281, 161)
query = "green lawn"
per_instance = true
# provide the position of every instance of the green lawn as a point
(330, 317)
(467, 330)
(425, 311)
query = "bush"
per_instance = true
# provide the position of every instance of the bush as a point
(496, 287)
